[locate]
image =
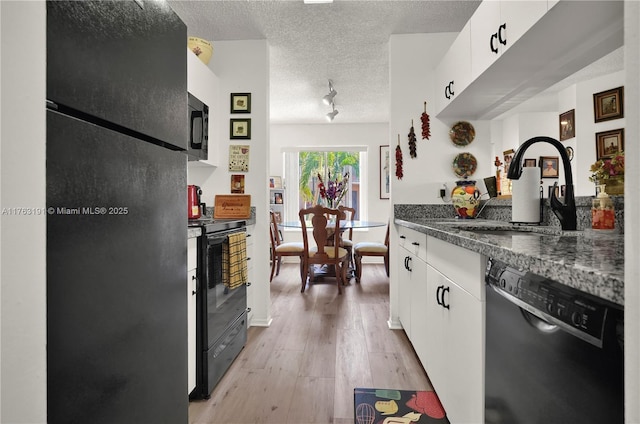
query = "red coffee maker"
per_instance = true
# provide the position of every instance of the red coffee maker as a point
(193, 201)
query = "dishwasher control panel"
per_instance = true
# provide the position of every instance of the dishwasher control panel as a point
(556, 303)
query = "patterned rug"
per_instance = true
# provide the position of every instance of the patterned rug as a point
(389, 406)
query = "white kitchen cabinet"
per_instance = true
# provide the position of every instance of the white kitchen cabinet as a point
(250, 270)
(497, 25)
(412, 287)
(453, 73)
(192, 288)
(455, 329)
(553, 40)
(455, 354)
(205, 85)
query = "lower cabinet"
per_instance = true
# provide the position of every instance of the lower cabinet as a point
(192, 288)
(442, 309)
(454, 358)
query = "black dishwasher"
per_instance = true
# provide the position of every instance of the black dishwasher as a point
(553, 354)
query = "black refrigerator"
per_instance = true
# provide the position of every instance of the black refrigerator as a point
(117, 215)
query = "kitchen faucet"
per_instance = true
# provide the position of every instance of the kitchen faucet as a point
(566, 213)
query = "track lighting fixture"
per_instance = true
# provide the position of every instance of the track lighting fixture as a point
(332, 114)
(328, 99)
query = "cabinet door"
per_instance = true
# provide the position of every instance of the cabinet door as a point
(497, 25)
(419, 332)
(405, 265)
(519, 17)
(453, 74)
(485, 47)
(455, 363)
(192, 288)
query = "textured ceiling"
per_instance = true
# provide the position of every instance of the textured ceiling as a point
(345, 41)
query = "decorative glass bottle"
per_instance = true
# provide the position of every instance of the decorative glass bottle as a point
(603, 214)
(465, 198)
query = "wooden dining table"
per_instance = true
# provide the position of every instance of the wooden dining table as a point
(344, 226)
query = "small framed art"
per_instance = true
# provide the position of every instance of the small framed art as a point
(529, 163)
(240, 129)
(609, 143)
(275, 182)
(608, 104)
(549, 165)
(567, 125)
(240, 102)
(385, 189)
(237, 183)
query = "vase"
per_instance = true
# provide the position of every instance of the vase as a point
(614, 186)
(465, 198)
(603, 214)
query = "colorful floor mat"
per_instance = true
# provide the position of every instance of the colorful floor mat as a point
(390, 406)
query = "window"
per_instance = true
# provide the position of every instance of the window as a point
(303, 165)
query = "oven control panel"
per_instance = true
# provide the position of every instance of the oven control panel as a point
(570, 309)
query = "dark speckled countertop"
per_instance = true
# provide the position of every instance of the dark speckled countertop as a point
(588, 260)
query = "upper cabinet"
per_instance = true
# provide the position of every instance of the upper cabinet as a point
(519, 48)
(204, 84)
(497, 25)
(453, 74)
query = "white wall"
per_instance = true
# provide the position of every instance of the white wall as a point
(243, 67)
(632, 211)
(372, 136)
(23, 237)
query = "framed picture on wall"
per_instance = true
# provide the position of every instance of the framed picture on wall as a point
(529, 163)
(385, 189)
(608, 104)
(549, 165)
(609, 143)
(567, 125)
(240, 128)
(240, 102)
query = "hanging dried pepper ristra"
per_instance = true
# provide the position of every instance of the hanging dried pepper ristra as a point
(399, 160)
(412, 142)
(426, 127)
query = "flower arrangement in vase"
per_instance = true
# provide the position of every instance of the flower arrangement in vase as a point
(335, 190)
(610, 172)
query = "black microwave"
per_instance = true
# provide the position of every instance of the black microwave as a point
(198, 129)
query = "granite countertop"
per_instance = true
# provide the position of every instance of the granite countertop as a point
(588, 260)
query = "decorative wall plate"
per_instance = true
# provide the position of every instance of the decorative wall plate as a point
(464, 165)
(462, 133)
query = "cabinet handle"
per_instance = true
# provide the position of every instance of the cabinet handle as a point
(444, 290)
(248, 283)
(415, 243)
(402, 237)
(448, 91)
(494, 37)
(193, 292)
(501, 39)
(409, 259)
(438, 295)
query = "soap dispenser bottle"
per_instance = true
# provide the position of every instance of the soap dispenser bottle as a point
(602, 211)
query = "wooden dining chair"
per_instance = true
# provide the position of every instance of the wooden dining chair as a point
(366, 248)
(327, 249)
(280, 248)
(346, 239)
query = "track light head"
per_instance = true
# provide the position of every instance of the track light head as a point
(331, 115)
(328, 99)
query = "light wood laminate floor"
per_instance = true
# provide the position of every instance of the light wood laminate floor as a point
(321, 345)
